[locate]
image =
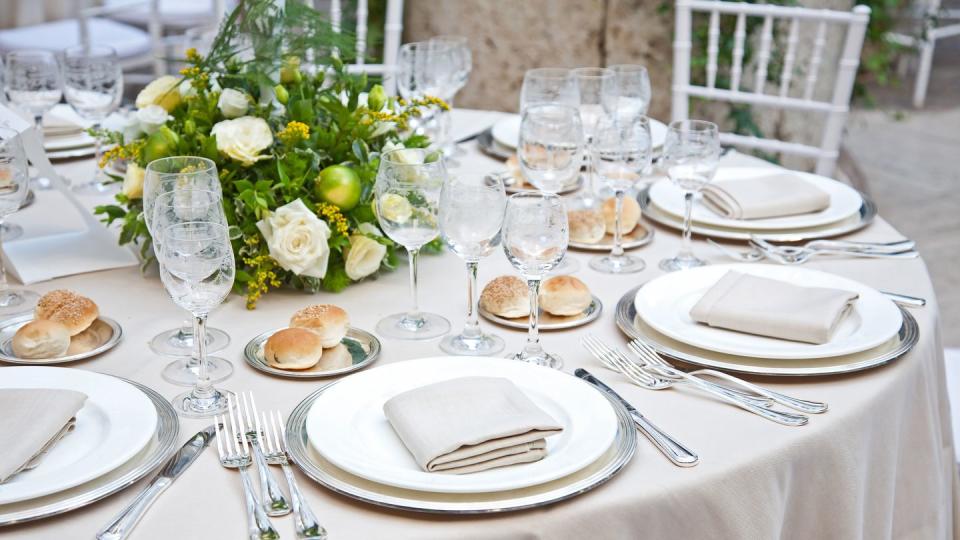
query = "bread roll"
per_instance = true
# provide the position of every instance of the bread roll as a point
(70, 309)
(586, 226)
(629, 219)
(506, 296)
(41, 339)
(326, 320)
(564, 295)
(293, 348)
(86, 341)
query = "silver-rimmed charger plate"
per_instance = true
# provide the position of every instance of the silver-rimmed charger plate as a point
(357, 350)
(641, 235)
(335, 479)
(9, 327)
(548, 321)
(634, 327)
(868, 211)
(158, 450)
(491, 147)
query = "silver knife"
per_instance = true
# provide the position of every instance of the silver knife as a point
(128, 518)
(676, 452)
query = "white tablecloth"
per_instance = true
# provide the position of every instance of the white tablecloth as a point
(879, 464)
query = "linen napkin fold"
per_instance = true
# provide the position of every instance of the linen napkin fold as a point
(470, 424)
(775, 195)
(773, 308)
(31, 418)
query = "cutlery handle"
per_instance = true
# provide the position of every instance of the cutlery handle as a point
(306, 522)
(803, 405)
(906, 300)
(787, 419)
(675, 451)
(274, 503)
(869, 254)
(258, 524)
(128, 518)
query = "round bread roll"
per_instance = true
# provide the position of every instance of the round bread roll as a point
(564, 295)
(68, 308)
(326, 320)
(41, 339)
(586, 226)
(293, 348)
(629, 219)
(506, 296)
(86, 341)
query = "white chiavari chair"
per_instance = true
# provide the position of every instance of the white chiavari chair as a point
(930, 16)
(783, 95)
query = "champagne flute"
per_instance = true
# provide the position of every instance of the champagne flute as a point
(691, 153)
(597, 89)
(93, 86)
(14, 185)
(471, 214)
(543, 86)
(197, 269)
(407, 200)
(535, 236)
(633, 90)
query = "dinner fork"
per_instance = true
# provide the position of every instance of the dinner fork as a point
(800, 255)
(271, 496)
(234, 454)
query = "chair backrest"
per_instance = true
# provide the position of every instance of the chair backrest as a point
(835, 109)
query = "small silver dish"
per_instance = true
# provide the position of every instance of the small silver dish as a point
(356, 351)
(106, 328)
(641, 235)
(548, 321)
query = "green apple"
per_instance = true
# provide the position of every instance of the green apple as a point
(339, 185)
(160, 144)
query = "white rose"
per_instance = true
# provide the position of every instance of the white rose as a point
(187, 89)
(243, 138)
(133, 181)
(151, 118)
(369, 229)
(363, 257)
(233, 103)
(390, 146)
(162, 91)
(297, 239)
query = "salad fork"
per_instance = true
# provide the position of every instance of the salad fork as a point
(271, 496)
(233, 455)
(800, 255)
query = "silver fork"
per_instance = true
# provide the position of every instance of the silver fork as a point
(271, 496)
(647, 352)
(233, 455)
(275, 444)
(800, 255)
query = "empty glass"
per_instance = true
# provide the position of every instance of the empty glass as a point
(633, 90)
(197, 269)
(14, 185)
(93, 86)
(471, 214)
(535, 236)
(407, 201)
(32, 82)
(622, 153)
(548, 85)
(429, 68)
(691, 153)
(597, 91)
(462, 65)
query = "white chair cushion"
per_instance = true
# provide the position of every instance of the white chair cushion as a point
(175, 13)
(128, 41)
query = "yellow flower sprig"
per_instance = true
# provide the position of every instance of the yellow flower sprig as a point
(331, 213)
(293, 133)
(264, 276)
(193, 56)
(130, 151)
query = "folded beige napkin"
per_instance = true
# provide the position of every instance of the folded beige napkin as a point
(470, 424)
(775, 195)
(769, 307)
(30, 418)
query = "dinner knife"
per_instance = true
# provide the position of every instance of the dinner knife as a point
(128, 518)
(675, 451)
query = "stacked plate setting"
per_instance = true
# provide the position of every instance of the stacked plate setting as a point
(506, 132)
(66, 137)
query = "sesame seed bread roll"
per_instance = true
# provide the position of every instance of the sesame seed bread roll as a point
(68, 308)
(586, 226)
(506, 296)
(326, 320)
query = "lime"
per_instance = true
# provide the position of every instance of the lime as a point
(160, 144)
(395, 208)
(339, 185)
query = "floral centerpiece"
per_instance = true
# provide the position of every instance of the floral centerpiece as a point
(297, 148)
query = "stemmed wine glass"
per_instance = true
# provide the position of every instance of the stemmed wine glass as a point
(32, 82)
(471, 214)
(161, 176)
(597, 90)
(691, 153)
(535, 236)
(462, 60)
(14, 185)
(197, 269)
(429, 68)
(622, 152)
(543, 86)
(633, 90)
(407, 198)
(93, 86)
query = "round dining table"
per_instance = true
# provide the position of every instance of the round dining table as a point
(879, 464)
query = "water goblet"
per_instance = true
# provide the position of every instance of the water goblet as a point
(32, 82)
(462, 60)
(543, 86)
(633, 90)
(14, 185)
(429, 68)
(597, 90)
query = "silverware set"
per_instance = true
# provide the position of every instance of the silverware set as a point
(761, 249)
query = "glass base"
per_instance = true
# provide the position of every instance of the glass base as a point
(680, 263)
(544, 359)
(14, 302)
(179, 342)
(11, 231)
(483, 345)
(624, 264)
(96, 188)
(401, 326)
(190, 406)
(41, 183)
(184, 372)
(568, 265)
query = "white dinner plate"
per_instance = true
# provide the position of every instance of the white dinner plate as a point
(507, 131)
(665, 302)
(115, 424)
(62, 137)
(844, 202)
(346, 424)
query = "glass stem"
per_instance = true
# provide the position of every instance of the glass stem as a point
(686, 248)
(202, 389)
(97, 154)
(471, 329)
(590, 179)
(4, 288)
(414, 314)
(532, 348)
(617, 232)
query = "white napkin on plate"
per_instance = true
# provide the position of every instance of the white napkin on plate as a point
(774, 308)
(31, 418)
(775, 195)
(470, 424)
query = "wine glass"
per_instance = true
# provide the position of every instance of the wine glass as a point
(691, 153)
(597, 90)
(471, 214)
(197, 269)
(429, 68)
(93, 86)
(161, 176)
(14, 185)
(548, 85)
(462, 64)
(633, 90)
(32, 82)
(535, 236)
(407, 200)
(622, 152)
